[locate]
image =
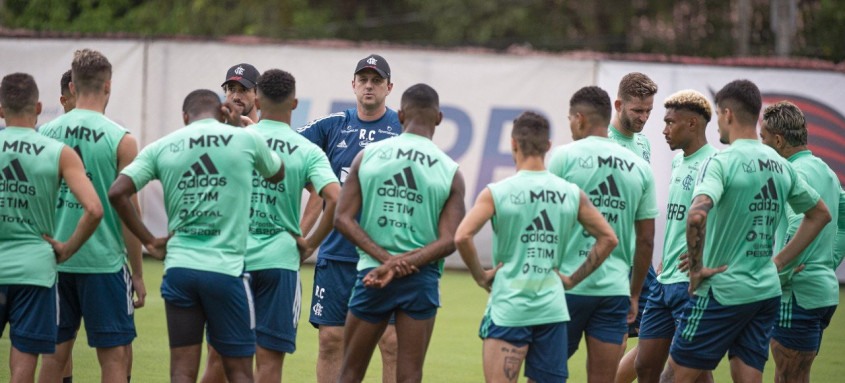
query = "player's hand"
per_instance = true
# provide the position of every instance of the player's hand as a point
(401, 267)
(158, 247)
(379, 277)
(59, 249)
(140, 291)
(304, 247)
(246, 121)
(683, 264)
(633, 310)
(487, 277)
(568, 283)
(697, 276)
(231, 114)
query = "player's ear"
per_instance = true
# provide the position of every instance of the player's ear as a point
(72, 87)
(439, 118)
(38, 108)
(401, 114)
(258, 103)
(514, 146)
(294, 103)
(107, 87)
(2, 112)
(617, 105)
(185, 118)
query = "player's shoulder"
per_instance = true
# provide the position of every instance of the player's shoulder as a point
(327, 121)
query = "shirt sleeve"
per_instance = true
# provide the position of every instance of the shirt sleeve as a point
(267, 163)
(711, 180)
(801, 196)
(319, 170)
(314, 131)
(143, 168)
(647, 208)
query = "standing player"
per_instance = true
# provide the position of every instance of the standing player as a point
(687, 115)
(409, 194)
(809, 297)
(205, 170)
(31, 168)
(272, 258)
(341, 136)
(620, 184)
(732, 273)
(239, 88)
(531, 211)
(96, 283)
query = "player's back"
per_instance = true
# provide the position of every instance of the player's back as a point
(621, 186)
(275, 207)
(749, 184)
(535, 213)
(206, 172)
(405, 181)
(816, 285)
(95, 138)
(29, 183)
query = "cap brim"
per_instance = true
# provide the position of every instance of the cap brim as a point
(241, 80)
(377, 70)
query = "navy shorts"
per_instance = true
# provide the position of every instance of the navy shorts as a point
(333, 281)
(649, 284)
(31, 314)
(708, 329)
(104, 300)
(801, 329)
(545, 361)
(417, 295)
(664, 310)
(226, 302)
(603, 318)
(278, 299)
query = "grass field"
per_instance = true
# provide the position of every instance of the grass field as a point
(454, 354)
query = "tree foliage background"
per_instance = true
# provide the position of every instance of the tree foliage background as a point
(709, 28)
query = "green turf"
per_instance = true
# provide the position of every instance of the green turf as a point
(454, 354)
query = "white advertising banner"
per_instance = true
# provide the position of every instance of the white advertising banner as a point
(818, 94)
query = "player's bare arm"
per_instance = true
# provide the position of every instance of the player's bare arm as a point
(312, 211)
(644, 230)
(348, 206)
(120, 196)
(127, 150)
(72, 171)
(330, 194)
(475, 219)
(814, 221)
(696, 230)
(606, 240)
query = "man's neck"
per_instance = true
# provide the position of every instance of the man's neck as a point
(743, 132)
(365, 114)
(418, 128)
(694, 145)
(530, 163)
(276, 115)
(791, 150)
(617, 124)
(96, 103)
(596, 131)
(21, 121)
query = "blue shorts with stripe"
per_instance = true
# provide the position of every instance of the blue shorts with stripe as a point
(278, 299)
(708, 329)
(545, 360)
(30, 312)
(663, 310)
(225, 302)
(104, 300)
(333, 282)
(801, 329)
(649, 285)
(602, 318)
(417, 295)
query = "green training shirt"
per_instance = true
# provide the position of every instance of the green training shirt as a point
(205, 170)
(535, 213)
(684, 173)
(749, 184)
(95, 138)
(405, 181)
(274, 208)
(815, 286)
(29, 184)
(638, 143)
(621, 185)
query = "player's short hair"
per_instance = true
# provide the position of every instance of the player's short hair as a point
(276, 84)
(64, 84)
(18, 94)
(690, 100)
(531, 132)
(90, 70)
(592, 100)
(420, 96)
(636, 84)
(201, 101)
(786, 119)
(743, 97)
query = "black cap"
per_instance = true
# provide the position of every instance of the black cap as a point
(245, 74)
(376, 63)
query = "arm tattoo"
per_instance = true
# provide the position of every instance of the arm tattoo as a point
(590, 264)
(696, 229)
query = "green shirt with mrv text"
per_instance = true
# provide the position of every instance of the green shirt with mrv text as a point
(274, 208)
(205, 170)
(684, 173)
(95, 138)
(405, 182)
(621, 186)
(749, 184)
(815, 286)
(29, 184)
(638, 143)
(535, 212)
